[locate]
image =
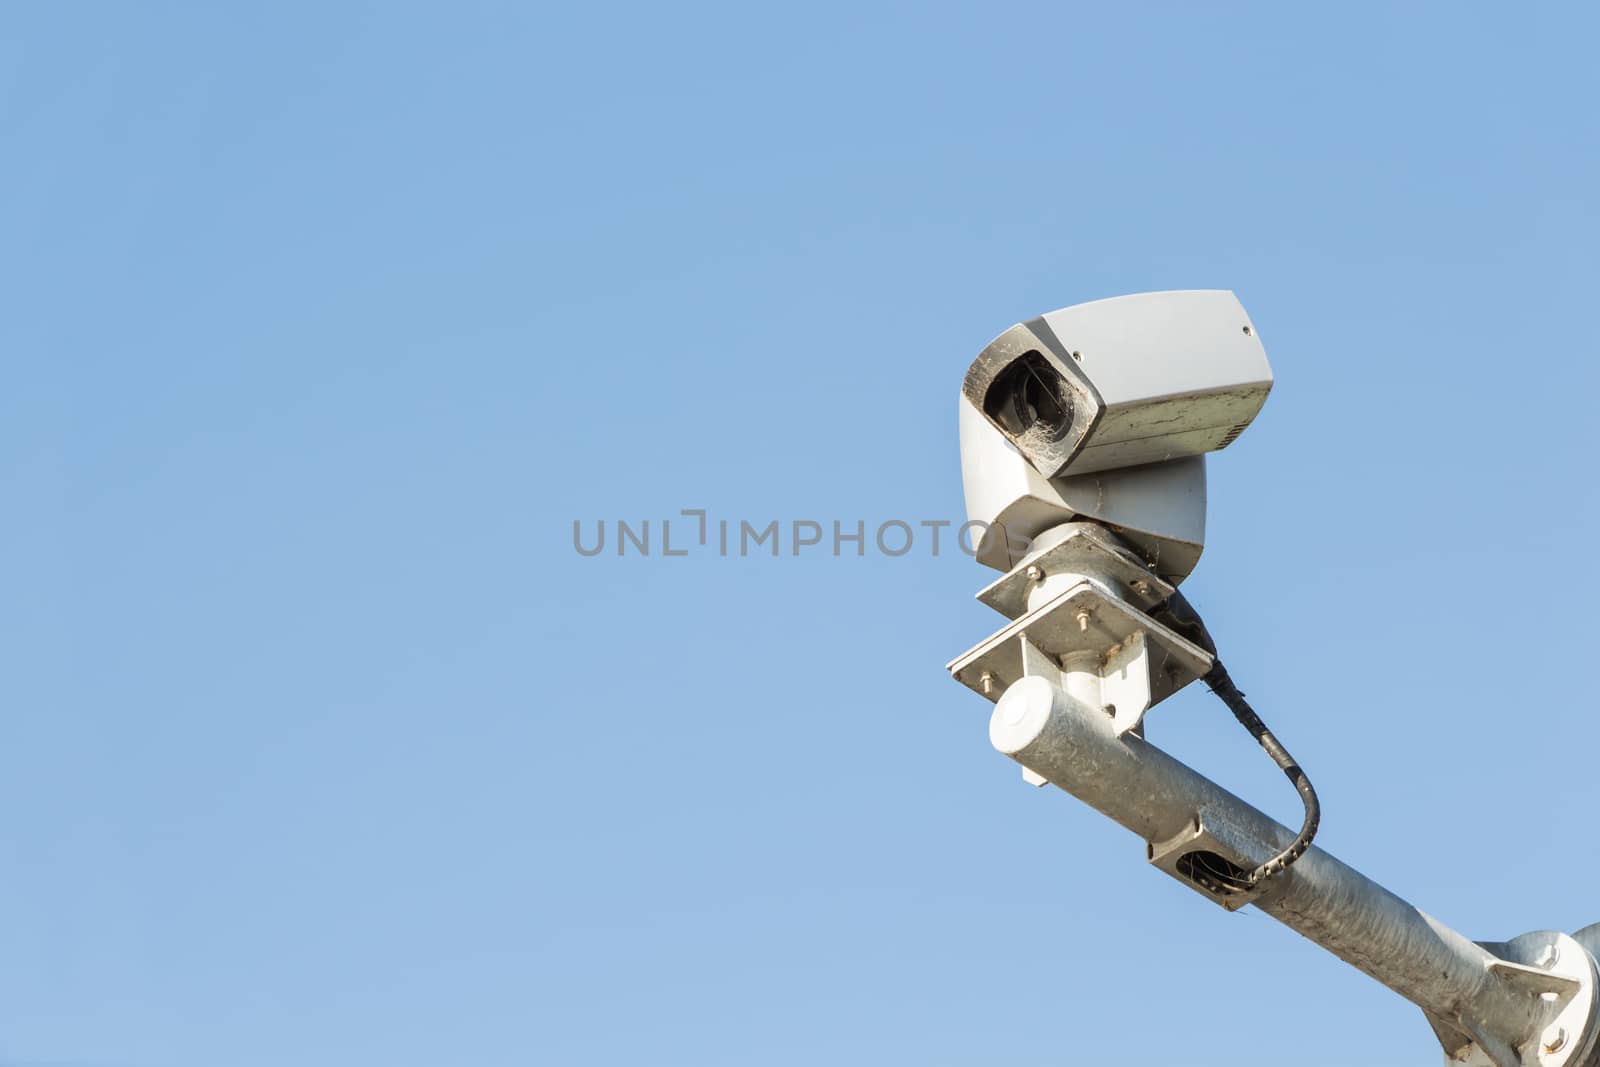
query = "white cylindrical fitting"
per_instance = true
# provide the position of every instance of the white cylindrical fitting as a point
(1053, 585)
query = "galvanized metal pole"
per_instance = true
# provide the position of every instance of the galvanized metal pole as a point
(1531, 1011)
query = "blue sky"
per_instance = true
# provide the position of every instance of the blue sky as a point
(322, 745)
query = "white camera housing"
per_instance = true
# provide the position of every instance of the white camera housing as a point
(1120, 382)
(1103, 411)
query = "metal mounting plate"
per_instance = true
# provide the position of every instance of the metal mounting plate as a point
(1054, 629)
(1087, 550)
(1544, 963)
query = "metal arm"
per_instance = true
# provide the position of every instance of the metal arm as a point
(1532, 1003)
(1072, 677)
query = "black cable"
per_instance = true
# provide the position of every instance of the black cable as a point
(1180, 615)
(1222, 685)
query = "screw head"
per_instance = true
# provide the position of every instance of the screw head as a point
(1142, 588)
(1035, 574)
(1549, 956)
(1555, 1040)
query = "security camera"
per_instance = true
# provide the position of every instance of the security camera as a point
(1103, 411)
(1121, 382)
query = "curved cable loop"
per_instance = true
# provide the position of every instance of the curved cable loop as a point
(1180, 615)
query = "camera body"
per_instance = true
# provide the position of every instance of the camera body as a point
(1103, 411)
(1122, 382)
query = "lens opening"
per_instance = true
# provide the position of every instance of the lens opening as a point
(1029, 397)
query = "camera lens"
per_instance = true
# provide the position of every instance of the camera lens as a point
(1030, 397)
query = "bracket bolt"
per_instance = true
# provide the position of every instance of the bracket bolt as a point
(986, 681)
(1083, 622)
(1035, 574)
(1549, 956)
(1142, 588)
(1556, 1039)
